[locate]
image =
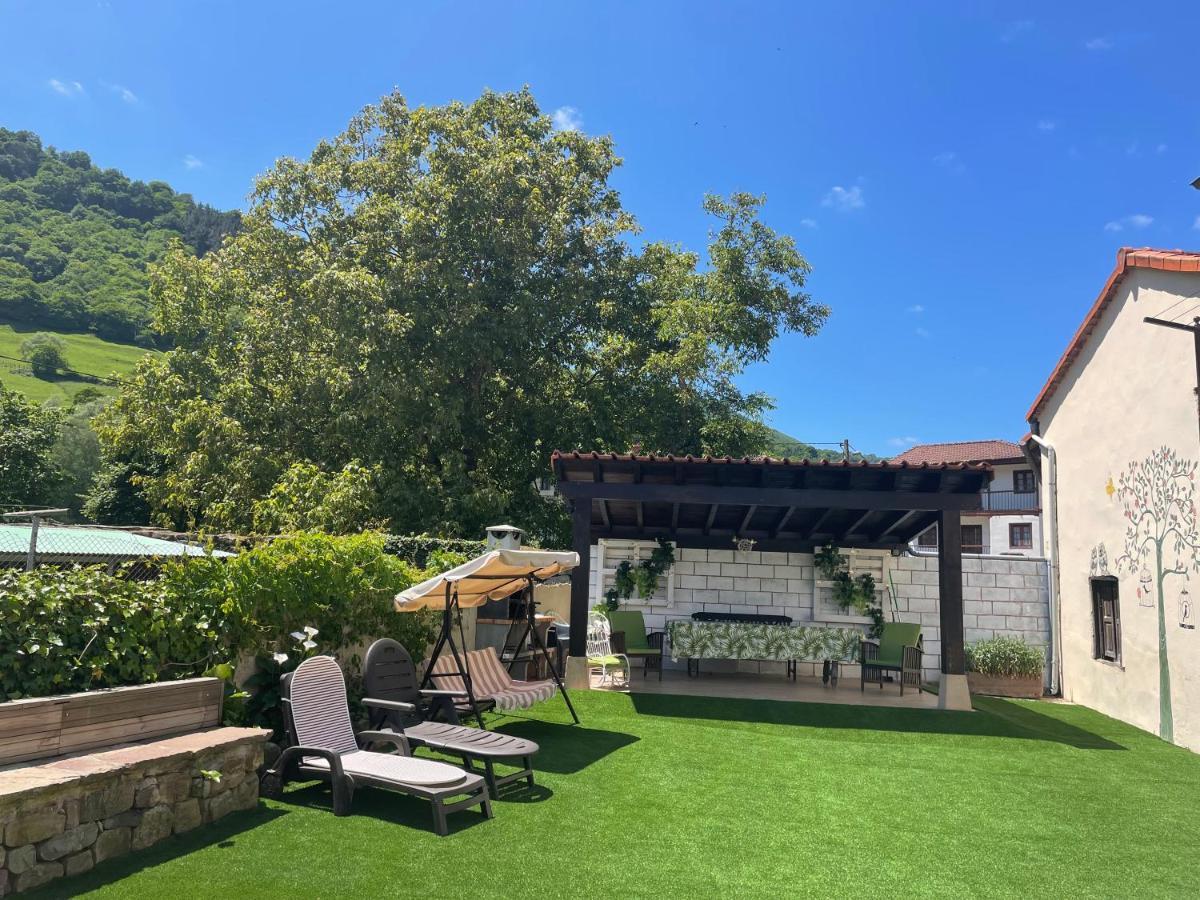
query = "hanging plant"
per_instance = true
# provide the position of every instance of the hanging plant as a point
(643, 578)
(829, 561)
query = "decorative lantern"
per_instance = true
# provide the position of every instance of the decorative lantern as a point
(743, 545)
(1186, 616)
(1144, 581)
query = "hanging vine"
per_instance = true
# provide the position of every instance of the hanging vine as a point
(642, 578)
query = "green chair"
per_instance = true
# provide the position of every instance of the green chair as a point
(898, 649)
(639, 644)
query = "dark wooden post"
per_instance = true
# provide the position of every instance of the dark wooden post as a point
(581, 543)
(950, 592)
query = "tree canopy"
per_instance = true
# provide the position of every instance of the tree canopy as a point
(75, 240)
(29, 472)
(440, 296)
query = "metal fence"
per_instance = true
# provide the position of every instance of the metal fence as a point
(33, 538)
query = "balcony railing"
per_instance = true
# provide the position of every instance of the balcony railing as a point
(1008, 501)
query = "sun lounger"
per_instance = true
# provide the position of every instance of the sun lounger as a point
(327, 748)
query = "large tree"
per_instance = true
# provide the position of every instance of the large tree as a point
(443, 295)
(29, 473)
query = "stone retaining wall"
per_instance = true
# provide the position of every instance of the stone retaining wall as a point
(63, 816)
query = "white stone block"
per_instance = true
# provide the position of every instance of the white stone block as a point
(693, 581)
(997, 566)
(685, 568)
(996, 595)
(1022, 623)
(1006, 609)
(774, 585)
(774, 559)
(971, 635)
(972, 593)
(760, 571)
(683, 596)
(738, 598)
(921, 605)
(707, 568)
(912, 563)
(734, 570)
(1034, 581)
(716, 607)
(796, 586)
(747, 584)
(970, 621)
(800, 559)
(758, 598)
(720, 583)
(972, 564)
(691, 554)
(706, 596)
(752, 557)
(721, 556)
(925, 577)
(975, 579)
(1010, 581)
(992, 622)
(901, 576)
(977, 607)
(1027, 567)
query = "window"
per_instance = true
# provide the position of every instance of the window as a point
(972, 539)
(1106, 616)
(1023, 481)
(928, 537)
(1020, 535)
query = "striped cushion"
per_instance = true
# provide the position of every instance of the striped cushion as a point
(319, 709)
(490, 680)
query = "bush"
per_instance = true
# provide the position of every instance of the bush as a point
(420, 549)
(1006, 657)
(45, 353)
(63, 631)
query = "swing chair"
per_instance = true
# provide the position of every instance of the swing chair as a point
(495, 575)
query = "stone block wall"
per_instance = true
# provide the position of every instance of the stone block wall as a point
(1002, 595)
(64, 816)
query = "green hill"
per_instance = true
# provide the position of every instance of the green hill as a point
(75, 240)
(783, 445)
(84, 353)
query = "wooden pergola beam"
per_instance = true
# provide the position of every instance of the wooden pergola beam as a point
(732, 495)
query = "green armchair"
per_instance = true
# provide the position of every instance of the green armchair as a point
(899, 649)
(639, 644)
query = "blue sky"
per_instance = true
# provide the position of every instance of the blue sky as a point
(959, 175)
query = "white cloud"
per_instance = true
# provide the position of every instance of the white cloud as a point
(949, 161)
(1046, 125)
(906, 441)
(1136, 221)
(123, 92)
(808, 223)
(844, 199)
(192, 162)
(66, 88)
(568, 118)
(922, 333)
(1014, 30)
(1098, 43)
(916, 309)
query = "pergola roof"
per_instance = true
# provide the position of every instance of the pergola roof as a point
(781, 504)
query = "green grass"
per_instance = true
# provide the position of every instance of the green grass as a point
(84, 353)
(681, 796)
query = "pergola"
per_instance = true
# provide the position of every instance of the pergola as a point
(780, 504)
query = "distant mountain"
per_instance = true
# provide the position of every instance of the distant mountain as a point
(782, 445)
(75, 240)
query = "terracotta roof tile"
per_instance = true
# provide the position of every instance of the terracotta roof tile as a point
(1127, 258)
(960, 452)
(558, 455)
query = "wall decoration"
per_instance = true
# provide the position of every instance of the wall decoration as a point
(1099, 567)
(1161, 539)
(1186, 619)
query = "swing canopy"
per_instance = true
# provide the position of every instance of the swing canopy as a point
(493, 576)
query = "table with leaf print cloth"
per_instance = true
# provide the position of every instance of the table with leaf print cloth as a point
(694, 641)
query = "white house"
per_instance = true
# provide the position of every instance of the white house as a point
(1116, 431)
(1008, 521)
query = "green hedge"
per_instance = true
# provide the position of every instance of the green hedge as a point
(420, 549)
(1006, 657)
(63, 631)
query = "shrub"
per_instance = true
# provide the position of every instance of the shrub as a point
(420, 549)
(45, 354)
(78, 629)
(63, 631)
(1006, 657)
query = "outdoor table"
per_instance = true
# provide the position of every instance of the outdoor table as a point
(751, 640)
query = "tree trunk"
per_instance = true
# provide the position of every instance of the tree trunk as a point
(1166, 720)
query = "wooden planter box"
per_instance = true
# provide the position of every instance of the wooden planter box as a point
(1001, 686)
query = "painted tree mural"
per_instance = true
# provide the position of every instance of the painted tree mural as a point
(1158, 495)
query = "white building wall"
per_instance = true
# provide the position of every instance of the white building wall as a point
(1001, 595)
(1128, 395)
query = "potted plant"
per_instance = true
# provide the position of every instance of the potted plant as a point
(1005, 667)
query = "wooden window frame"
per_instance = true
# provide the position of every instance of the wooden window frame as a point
(1032, 489)
(969, 546)
(1100, 648)
(1012, 544)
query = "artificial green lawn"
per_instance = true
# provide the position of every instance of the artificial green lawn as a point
(84, 353)
(674, 796)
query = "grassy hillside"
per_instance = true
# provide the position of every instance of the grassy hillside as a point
(84, 353)
(784, 445)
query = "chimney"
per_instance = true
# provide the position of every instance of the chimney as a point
(504, 537)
